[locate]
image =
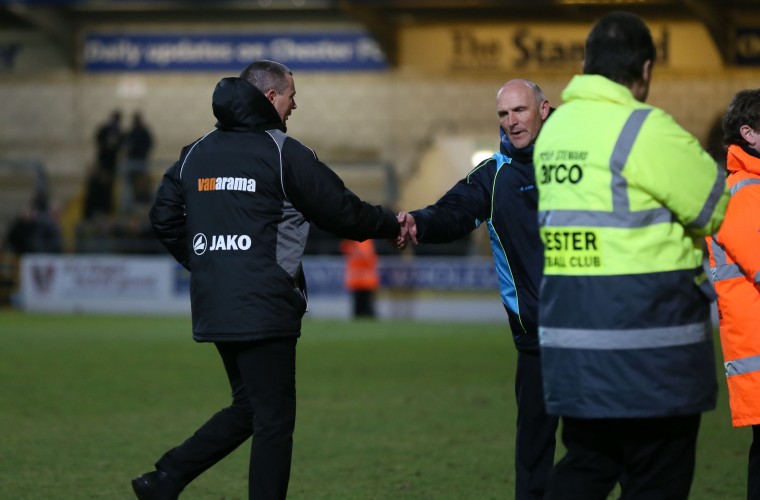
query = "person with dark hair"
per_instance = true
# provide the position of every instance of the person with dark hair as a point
(100, 181)
(235, 211)
(735, 265)
(138, 143)
(36, 229)
(625, 199)
(500, 192)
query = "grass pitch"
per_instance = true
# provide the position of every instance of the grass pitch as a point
(386, 410)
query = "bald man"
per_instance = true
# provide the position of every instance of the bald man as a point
(501, 192)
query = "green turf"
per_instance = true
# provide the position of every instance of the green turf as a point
(386, 410)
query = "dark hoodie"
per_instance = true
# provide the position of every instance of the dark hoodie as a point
(501, 192)
(235, 210)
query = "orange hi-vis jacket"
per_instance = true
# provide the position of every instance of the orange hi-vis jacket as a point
(361, 265)
(735, 263)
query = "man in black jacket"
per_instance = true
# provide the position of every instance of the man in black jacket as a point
(501, 192)
(235, 211)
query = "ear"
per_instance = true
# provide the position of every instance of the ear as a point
(270, 94)
(749, 135)
(545, 108)
(646, 71)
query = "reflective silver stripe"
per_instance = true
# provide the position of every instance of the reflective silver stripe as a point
(182, 167)
(278, 136)
(741, 366)
(757, 277)
(719, 253)
(722, 270)
(621, 216)
(726, 272)
(742, 183)
(620, 156)
(712, 199)
(591, 218)
(572, 338)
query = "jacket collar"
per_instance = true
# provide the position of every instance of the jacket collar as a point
(743, 160)
(524, 155)
(599, 88)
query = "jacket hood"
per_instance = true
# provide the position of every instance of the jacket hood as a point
(238, 105)
(743, 160)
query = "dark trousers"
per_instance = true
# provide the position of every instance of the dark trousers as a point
(753, 476)
(535, 440)
(651, 458)
(262, 378)
(364, 303)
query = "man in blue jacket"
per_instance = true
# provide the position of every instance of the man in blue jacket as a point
(501, 192)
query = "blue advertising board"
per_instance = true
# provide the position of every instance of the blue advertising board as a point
(217, 52)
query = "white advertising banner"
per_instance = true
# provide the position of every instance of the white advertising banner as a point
(107, 283)
(419, 288)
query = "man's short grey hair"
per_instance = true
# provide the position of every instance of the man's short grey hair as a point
(540, 97)
(267, 75)
(537, 92)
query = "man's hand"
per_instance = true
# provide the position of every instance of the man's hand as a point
(408, 230)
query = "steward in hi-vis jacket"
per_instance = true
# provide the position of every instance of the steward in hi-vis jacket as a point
(625, 198)
(735, 264)
(621, 219)
(623, 305)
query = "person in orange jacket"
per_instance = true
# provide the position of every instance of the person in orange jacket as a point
(735, 264)
(362, 277)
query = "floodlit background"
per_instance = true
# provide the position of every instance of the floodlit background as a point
(398, 97)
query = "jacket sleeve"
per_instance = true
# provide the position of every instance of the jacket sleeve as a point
(681, 175)
(320, 195)
(459, 211)
(740, 232)
(167, 216)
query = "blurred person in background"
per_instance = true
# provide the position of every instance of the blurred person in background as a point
(138, 143)
(235, 211)
(501, 192)
(102, 176)
(361, 275)
(625, 199)
(36, 229)
(735, 264)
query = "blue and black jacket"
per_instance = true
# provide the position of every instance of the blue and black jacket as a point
(500, 192)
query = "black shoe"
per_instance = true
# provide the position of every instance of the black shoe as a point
(156, 485)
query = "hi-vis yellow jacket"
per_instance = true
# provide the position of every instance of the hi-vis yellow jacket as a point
(735, 265)
(625, 197)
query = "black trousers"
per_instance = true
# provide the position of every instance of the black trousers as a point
(651, 458)
(364, 303)
(535, 440)
(262, 378)
(753, 476)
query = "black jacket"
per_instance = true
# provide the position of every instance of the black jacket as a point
(235, 211)
(501, 192)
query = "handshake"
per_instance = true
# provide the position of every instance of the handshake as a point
(408, 230)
